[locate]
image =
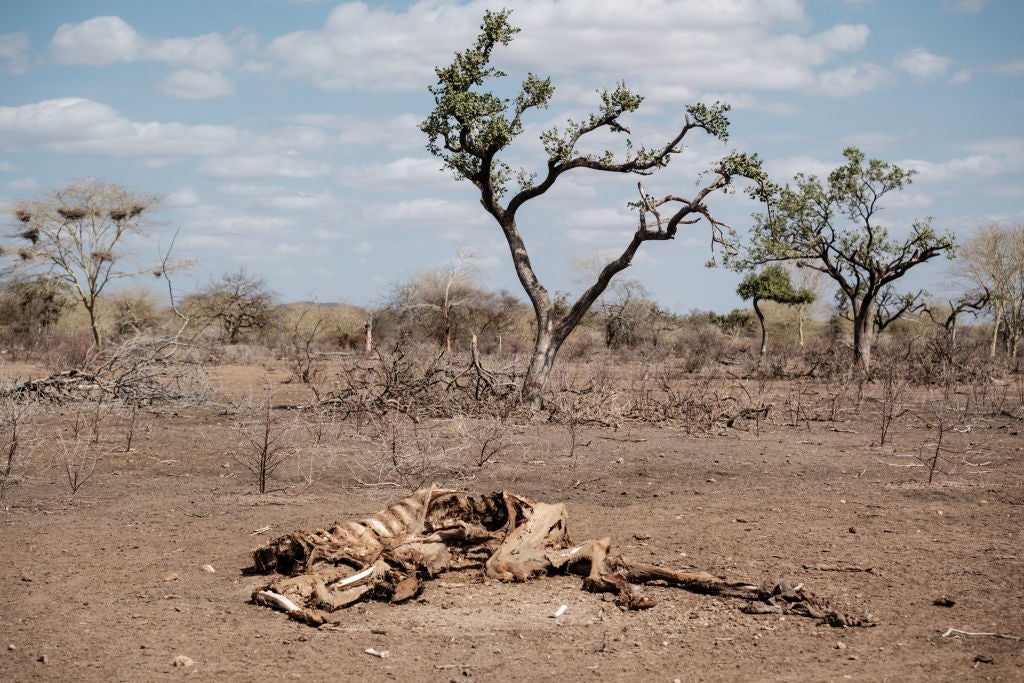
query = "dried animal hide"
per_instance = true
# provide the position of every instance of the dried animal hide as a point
(386, 556)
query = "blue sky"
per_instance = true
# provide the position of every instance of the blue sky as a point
(284, 135)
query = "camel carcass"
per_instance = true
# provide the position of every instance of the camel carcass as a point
(388, 555)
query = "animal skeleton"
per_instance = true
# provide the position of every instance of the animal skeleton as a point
(385, 556)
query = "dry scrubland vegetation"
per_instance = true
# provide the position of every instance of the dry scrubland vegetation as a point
(130, 466)
(873, 459)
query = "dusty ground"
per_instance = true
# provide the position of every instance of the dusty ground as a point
(109, 584)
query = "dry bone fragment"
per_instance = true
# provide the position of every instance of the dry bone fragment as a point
(386, 556)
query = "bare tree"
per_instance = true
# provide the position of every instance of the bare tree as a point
(469, 128)
(238, 303)
(436, 298)
(77, 234)
(993, 260)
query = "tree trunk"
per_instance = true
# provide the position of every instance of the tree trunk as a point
(764, 329)
(541, 362)
(93, 324)
(995, 333)
(863, 336)
(368, 329)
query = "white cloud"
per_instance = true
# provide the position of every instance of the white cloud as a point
(192, 84)
(186, 196)
(7, 167)
(922, 64)
(363, 247)
(406, 171)
(208, 51)
(106, 40)
(974, 165)
(14, 54)
(96, 42)
(721, 44)
(852, 80)
(965, 6)
(75, 125)
(417, 212)
(263, 166)
(782, 170)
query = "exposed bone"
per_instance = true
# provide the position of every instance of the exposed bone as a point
(512, 538)
(278, 601)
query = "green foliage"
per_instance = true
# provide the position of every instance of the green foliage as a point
(773, 284)
(833, 226)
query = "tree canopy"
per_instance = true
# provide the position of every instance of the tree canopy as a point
(471, 126)
(771, 284)
(834, 226)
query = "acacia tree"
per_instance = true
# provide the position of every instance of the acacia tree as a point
(435, 298)
(993, 261)
(77, 234)
(771, 284)
(470, 127)
(238, 303)
(834, 227)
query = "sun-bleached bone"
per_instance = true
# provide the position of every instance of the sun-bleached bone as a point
(510, 537)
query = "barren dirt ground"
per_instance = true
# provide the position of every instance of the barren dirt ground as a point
(109, 583)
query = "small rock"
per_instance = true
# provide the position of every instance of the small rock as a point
(43, 659)
(171, 577)
(183, 662)
(12, 647)
(982, 502)
(840, 645)
(852, 530)
(209, 568)
(943, 602)
(383, 654)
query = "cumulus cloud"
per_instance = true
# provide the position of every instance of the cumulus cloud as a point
(263, 166)
(965, 6)
(75, 125)
(922, 64)
(696, 43)
(418, 171)
(14, 54)
(186, 196)
(856, 79)
(106, 40)
(193, 84)
(971, 166)
(96, 42)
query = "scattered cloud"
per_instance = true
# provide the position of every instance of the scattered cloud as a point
(853, 80)
(263, 166)
(107, 40)
(727, 44)
(193, 84)
(186, 196)
(96, 42)
(75, 125)
(965, 6)
(922, 64)
(14, 54)
(418, 171)
(974, 165)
